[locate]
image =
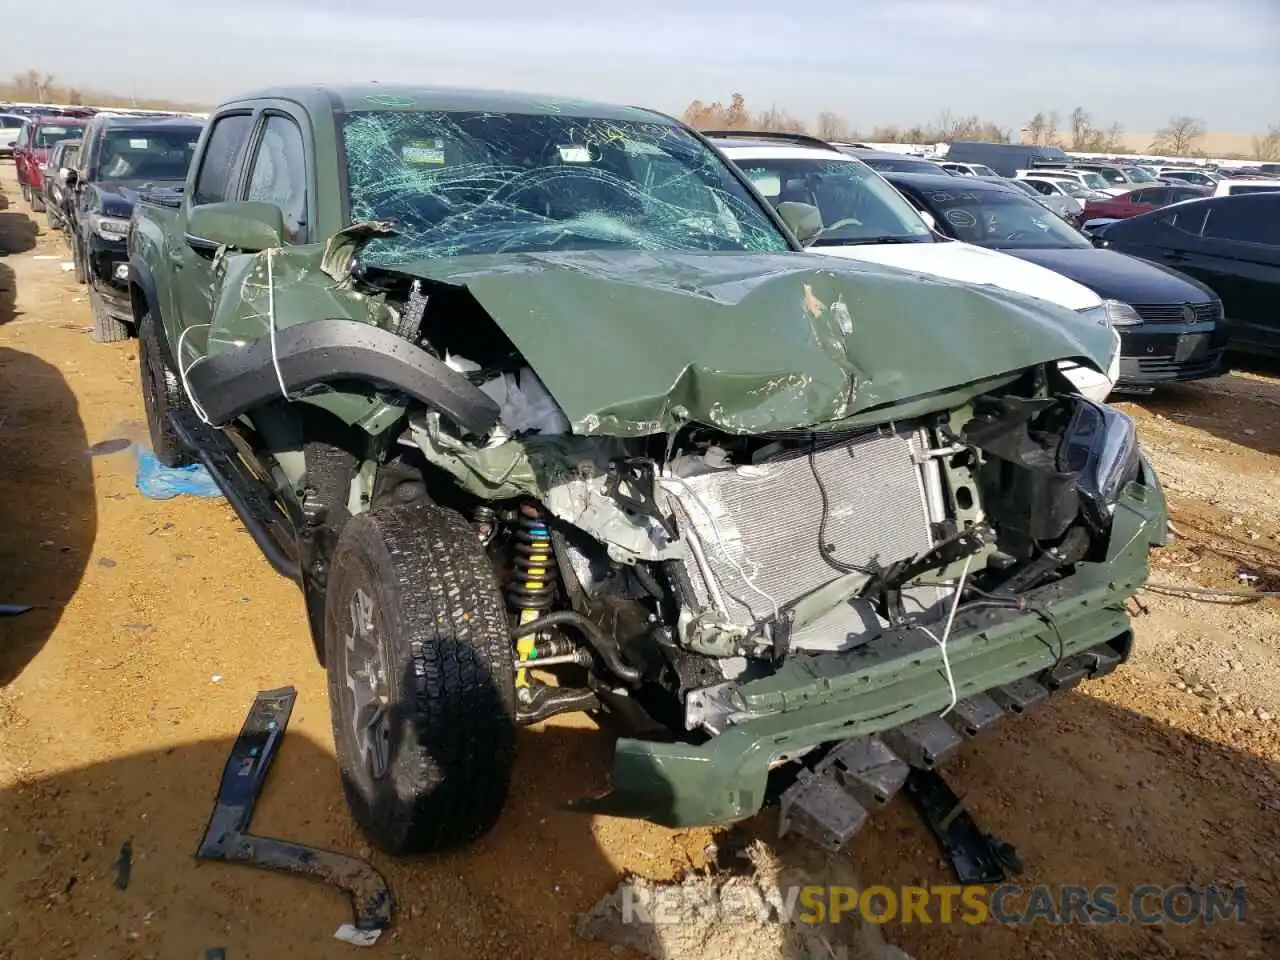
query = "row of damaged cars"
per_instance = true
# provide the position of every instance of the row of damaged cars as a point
(1174, 317)
(85, 174)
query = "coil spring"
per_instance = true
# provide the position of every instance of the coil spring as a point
(533, 586)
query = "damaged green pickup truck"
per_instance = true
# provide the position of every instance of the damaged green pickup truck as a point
(545, 410)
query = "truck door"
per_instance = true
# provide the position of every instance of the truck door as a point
(191, 258)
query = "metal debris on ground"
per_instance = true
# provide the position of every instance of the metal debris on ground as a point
(976, 857)
(227, 838)
(124, 866)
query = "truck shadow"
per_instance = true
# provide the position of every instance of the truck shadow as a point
(1243, 410)
(1089, 793)
(46, 500)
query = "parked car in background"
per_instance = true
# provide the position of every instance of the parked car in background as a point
(859, 216)
(1088, 179)
(1051, 184)
(967, 169)
(1120, 178)
(1142, 200)
(1201, 178)
(1005, 158)
(55, 190)
(31, 152)
(121, 159)
(1064, 205)
(1232, 244)
(884, 161)
(10, 125)
(1170, 325)
(1234, 188)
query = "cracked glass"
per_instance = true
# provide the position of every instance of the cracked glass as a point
(457, 183)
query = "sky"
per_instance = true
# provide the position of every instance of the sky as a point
(871, 61)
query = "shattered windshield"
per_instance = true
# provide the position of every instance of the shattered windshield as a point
(481, 183)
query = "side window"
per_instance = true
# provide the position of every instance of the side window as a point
(1246, 222)
(24, 136)
(221, 158)
(1157, 195)
(279, 174)
(1043, 187)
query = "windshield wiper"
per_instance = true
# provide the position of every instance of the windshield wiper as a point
(863, 241)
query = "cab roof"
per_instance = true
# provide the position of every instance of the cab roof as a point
(359, 98)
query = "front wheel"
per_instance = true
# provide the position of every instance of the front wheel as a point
(161, 394)
(421, 683)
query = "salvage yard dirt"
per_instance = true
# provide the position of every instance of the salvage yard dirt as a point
(156, 622)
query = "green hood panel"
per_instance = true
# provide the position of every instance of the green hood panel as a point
(634, 342)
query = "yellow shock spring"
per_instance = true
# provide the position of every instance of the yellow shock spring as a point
(535, 565)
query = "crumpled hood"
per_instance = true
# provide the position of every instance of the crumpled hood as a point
(634, 342)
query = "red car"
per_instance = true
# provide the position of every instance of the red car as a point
(1142, 200)
(31, 151)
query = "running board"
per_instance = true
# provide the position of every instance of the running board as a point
(270, 528)
(226, 838)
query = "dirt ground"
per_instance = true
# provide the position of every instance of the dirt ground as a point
(156, 622)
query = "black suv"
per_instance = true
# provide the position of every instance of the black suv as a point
(121, 158)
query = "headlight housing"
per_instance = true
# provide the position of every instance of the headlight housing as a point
(109, 228)
(1100, 446)
(1113, 313)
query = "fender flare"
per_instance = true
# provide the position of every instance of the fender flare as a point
(140, 276)
(230, 384)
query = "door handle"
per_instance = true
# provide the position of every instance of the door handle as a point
(1176, 255)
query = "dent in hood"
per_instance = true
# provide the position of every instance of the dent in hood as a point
(634, 343)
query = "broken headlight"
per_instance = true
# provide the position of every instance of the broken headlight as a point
(1099, 446)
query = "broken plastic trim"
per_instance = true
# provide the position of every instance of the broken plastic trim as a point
(227, 838)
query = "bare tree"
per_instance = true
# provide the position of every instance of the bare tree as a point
(1179, 137)
(1035, 128)
(1051, 138)
(1082, 133)
(1267, 147)
(832, 126)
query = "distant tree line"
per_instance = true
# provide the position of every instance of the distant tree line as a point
(1081, 132)
(35, 86)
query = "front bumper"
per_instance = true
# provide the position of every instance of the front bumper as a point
(827, 698)
(108, 272)
(1152, 353)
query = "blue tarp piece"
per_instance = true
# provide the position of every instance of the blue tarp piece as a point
(158, 482)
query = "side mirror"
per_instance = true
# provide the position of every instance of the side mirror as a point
(928, 218)
(803, 219)
(67, 176)
(248, 225)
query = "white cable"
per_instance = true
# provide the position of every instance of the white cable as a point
(946, 635)
(724, 551)
(271, 322)
(183, 371)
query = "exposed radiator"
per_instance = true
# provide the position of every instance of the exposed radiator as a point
(758, 529)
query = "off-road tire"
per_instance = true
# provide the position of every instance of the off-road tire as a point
(26, 193)
(161, 394)
(439, 625)
(106, 328)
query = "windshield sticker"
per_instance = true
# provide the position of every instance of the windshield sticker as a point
(423, 151)
(961, 218)
(137, 144)
(572, 153)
